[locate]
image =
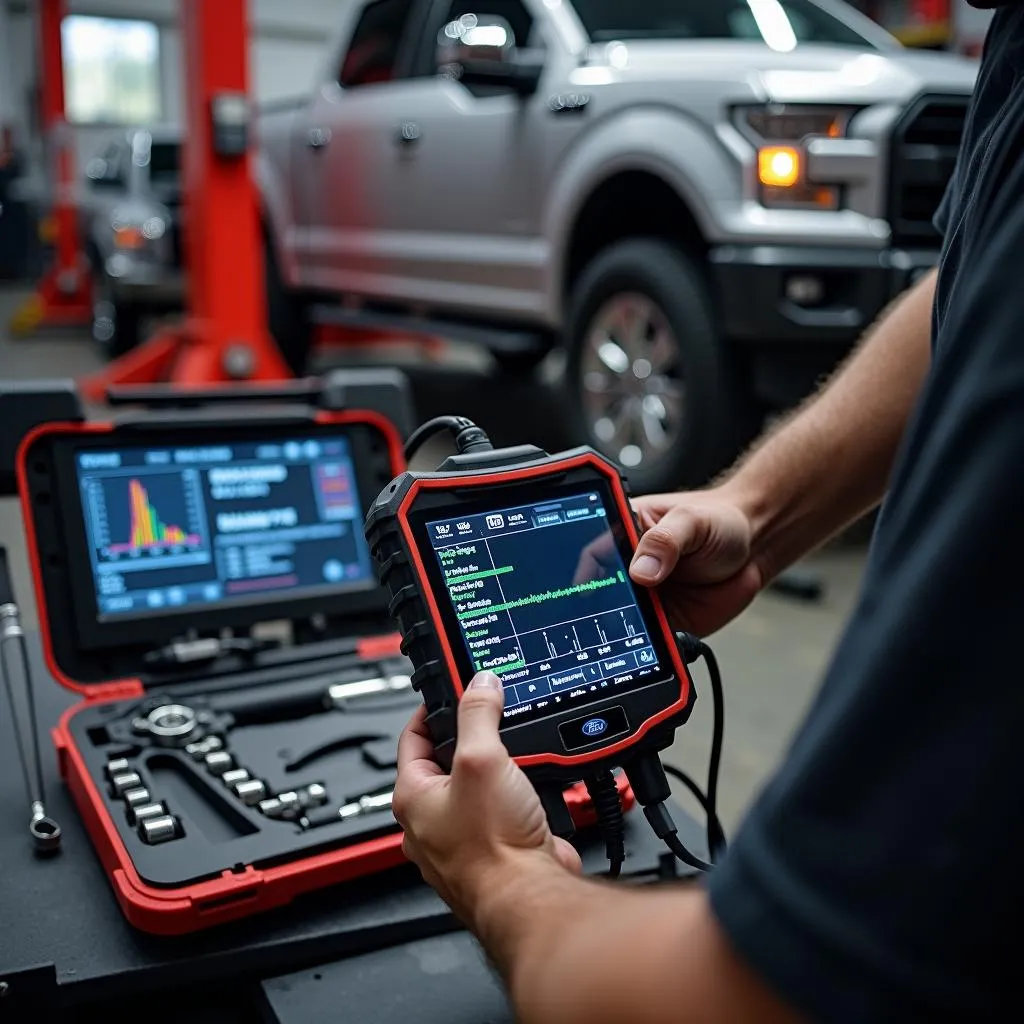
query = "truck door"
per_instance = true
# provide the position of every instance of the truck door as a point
(344, 149)
(463, 177)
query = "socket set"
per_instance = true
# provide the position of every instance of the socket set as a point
(219, 761)
(150, 818)
(240, 702)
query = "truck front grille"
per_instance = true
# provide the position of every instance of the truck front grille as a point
(926, 141)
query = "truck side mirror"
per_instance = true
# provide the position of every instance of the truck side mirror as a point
(482, 51)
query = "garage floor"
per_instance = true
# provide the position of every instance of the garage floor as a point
(771, 658)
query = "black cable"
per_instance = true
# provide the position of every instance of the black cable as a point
(467, 435)
(687, 781)
(604, 794)
(665, 829)
(716, 834)
(649, 777)
(694, 649)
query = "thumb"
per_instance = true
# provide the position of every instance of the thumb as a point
(678, 533)
(478, 718)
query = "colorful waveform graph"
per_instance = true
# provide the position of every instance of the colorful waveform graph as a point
(147, 531)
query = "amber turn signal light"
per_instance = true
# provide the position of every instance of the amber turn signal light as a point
(778, 166)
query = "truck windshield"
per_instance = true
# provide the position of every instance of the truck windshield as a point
(780, 24)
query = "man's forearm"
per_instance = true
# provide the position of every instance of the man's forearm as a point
(829, 463)
(573, 950)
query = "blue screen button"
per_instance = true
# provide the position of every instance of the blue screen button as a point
(594, 727)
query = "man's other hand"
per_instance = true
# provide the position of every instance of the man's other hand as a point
(466, 830)
(696, 549)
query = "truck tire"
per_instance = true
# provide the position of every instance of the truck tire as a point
(649, 381)
(116, 326)
(287, 315)
(519, 364)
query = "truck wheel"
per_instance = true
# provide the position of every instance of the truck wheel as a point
(116, 327)
(650, 383)
(287, 315)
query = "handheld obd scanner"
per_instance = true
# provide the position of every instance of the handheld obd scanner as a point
(515, 561)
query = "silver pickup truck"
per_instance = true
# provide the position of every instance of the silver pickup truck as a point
(703, 202)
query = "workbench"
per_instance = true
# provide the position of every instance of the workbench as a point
(350, 953)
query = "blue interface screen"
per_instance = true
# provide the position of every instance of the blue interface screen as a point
(179, 527)
(543, 599)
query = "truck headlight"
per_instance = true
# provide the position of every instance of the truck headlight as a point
(780, 133)
(132, 231)
(794, 123)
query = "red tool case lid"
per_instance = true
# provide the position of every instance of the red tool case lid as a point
(103, 669)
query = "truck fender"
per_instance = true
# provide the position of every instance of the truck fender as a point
(655, 139)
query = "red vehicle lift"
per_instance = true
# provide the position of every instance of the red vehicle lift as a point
(64, 295)
(224, 336)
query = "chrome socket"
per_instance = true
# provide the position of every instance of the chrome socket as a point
(219, 762)
(365, 805)
(125, 781)
(271, 807)
(118, 766)
(154, 831)
(313, 795)
(137, 797)
(137, 815)
(251, 792)
(198, 750)
(234, 777)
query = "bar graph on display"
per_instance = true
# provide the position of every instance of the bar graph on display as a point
(147, 529)
(583, 637)
(552, 653)
(146, 515)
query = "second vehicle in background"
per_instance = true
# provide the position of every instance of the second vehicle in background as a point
(132, 233)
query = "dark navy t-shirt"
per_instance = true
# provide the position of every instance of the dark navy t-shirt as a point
(880, 875)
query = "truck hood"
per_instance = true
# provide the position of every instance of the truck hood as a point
(818, 74)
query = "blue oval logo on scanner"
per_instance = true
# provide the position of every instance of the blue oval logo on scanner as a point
(594, 727)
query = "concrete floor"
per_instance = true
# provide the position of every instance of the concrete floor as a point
(771, 657)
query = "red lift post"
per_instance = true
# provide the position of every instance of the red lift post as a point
(63, 298)
(224, 337)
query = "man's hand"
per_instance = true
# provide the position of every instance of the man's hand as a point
(466, 830)
(696, 548)
(569, 949)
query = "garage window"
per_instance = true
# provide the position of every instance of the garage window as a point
(111, 70)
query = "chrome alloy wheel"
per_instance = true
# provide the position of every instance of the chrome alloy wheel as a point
(104, 314)
(631, 385)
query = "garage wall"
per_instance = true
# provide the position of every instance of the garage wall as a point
(289, 41)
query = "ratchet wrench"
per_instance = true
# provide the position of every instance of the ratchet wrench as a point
(45, 831)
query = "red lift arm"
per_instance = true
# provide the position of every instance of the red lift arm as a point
(224, 336)
(63, 297)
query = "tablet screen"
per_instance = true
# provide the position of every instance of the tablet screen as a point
(541, 597)
(179, 527)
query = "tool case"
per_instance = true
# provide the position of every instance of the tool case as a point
(235, 744)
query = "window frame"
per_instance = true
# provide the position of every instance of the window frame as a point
(412, 31)
(158, 67)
